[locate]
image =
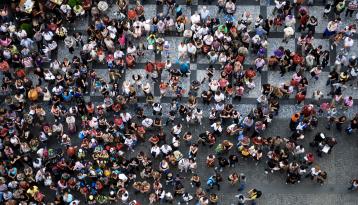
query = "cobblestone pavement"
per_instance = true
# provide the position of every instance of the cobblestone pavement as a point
(341, 164)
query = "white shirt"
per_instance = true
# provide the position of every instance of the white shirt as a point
(217, 127)
(195, 19)
(259, 62)
(157, 108)
(204, 13)
(214, 85)
(279, 4)
(156, 150)
(348, 42)
(47, 35)
(182, 48)
(118, 54)
(288, 31)
(166, 148)
(147, 122)
(219, 98)
(191, 49)
(57, 90)
(126, 117)
(177, 130)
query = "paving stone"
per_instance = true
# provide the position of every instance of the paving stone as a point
(340, 165)
(274, 43)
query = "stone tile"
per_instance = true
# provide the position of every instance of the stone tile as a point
(150, 11)
(131, 72)
(173, 52)
(101, 73)
(340, 164)
(148, 56)
(112, 11)
(257, 90)
(348, 20)
(250, 58)
(64, 53)
(317, 11)
(274, 77)
(264, 2)
(201, 74)
(193, 66)
(81, 24)
(323, 42)
(184, 83)
(254, 10)
(320, 84)
(212, 8)
(244, 109)
(354, 49)
(274, 43)
(186, 11)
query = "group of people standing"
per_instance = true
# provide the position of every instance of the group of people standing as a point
(59, 147)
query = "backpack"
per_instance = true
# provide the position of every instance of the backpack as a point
(258, 194)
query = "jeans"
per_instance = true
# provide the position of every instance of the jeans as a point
(352, 188)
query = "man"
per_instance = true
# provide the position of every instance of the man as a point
(348, 43)
(230, 7)
(213, 181)
(192, 51)
(354, 185)
(288, 33)
(279, 4)
(254, 194)
(204, 13)
(317, 96)
(176, 130)
(195, 18)
(157, 109)
(241, 199)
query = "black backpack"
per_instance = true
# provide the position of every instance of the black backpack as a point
(258, 194)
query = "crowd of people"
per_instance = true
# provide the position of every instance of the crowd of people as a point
(55, 142)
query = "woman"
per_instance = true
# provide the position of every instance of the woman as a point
(331, 28)
(311, 24)
(316, 72)
(71, 124)
(233, 178)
